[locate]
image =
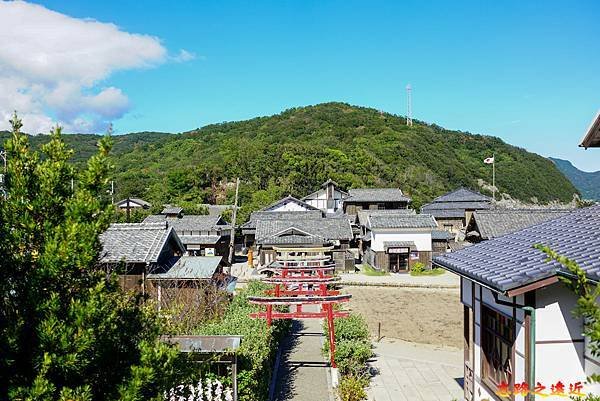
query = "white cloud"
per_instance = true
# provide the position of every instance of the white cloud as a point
(184, 56)
(52, 67)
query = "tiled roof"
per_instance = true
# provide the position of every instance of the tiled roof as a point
(376, 195)
(200, 239)
(299, 215)
(189, 222)
(190, 268)
(328, 229)
(363, 215)
(445, 213)
(293, 239)
(395, 244)
(462, 195)
(172, 210)
(591, 139)
(289, 199)
(139, 201)
(497, 222)
(401, 220)
(440, 235)
(511, 261)
(135, 242)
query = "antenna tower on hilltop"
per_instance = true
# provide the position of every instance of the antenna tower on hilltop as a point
(409, 105)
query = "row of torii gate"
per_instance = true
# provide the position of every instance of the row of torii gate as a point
(301, 277)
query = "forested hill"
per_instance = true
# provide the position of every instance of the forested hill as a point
(295, 151)
(588, 183)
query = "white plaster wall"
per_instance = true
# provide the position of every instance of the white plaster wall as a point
(488, 299)
(421, 239)
(320, 201)
(289, 207)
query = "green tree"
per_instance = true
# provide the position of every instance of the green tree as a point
(66, 330)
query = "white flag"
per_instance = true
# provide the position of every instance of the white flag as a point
(489, 160)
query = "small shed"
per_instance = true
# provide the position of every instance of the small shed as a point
(205, 348)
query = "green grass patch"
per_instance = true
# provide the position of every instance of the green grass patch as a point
(369, 270)
(429, 272)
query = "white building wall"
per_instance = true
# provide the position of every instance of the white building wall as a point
(555, 361)
(289, 207)
(421, 239)
(319, 200)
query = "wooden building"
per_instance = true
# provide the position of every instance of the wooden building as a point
(488, 224)
(134, 250)
(328, 199)
(453, 210)
(132, 203)
(249, 228)
(202, 235)
(374, 199)
(518, 321)
(302, 233)
(395, 240)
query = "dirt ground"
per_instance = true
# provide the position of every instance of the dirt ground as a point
(430, 316)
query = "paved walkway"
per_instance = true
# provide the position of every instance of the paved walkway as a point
(303, 373)
(416, 372)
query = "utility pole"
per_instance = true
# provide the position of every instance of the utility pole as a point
(232, 239)
(409, 121)
(128, 210)
(3, 174)
(112, 191)
(494, 176)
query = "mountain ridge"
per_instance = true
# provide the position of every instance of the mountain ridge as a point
(588, 183)
(294, 151)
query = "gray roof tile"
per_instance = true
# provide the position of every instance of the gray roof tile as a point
(376, 195)
(497, 222)
(511, 261)
(462, 195)
(135, 242)
(401, 220)
(190, 268)
(190, 222)
(328, 229)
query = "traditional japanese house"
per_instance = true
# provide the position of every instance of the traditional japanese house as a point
(133, 250)
(441, 242)
(302, 233)
(453, 210)
(395, 240)
(289, 204)
(133, 203)
(329, 198)
(591, 139)
(518, 321)
(249, 228)
(374, 199)
(202, 235)
(172, 211)
(488, 224)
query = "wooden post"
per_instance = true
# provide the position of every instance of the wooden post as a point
(128, 210)
(159, 289)
(331, 329)
(232, 239)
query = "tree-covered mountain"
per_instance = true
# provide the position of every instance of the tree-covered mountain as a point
(587, 183)
(295, 151)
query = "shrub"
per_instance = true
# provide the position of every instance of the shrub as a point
(417, 268)
(352, 357)
(352, 388)
(259, 347)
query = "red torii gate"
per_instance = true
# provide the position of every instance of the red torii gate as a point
(298, 283)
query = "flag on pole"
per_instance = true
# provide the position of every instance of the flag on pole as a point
(489, 160)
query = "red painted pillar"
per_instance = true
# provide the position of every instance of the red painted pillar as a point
(331, 328)
(269, 315)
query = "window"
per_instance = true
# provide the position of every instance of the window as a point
(497, 340)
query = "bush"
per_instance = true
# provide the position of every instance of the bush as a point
(352, 357)
(259, 346)
(352, 388)
(417, 268)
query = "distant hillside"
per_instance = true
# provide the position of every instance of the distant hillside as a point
(587, 183)
(295, 151)
(84, 145)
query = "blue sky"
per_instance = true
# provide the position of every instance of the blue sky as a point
(526, 71)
